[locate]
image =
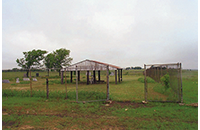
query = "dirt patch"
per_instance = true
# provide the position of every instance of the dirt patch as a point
(19, 88)
(26, 127)
(124, 104)
(192, 104)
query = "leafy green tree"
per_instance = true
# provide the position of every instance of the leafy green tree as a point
(31, 59)
(58, 59)
(49, 61)
(137, 68)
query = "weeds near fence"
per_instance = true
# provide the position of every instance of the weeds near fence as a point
(149, 80)
(71, 95)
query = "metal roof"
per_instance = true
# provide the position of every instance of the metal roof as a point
(90, 65)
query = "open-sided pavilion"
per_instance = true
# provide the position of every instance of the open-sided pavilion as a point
(91, 65)
(95, 66)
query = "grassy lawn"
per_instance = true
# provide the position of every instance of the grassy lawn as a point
(20, 111)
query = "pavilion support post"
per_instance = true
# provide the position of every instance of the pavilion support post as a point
(78, 75)
(108, 83)
(94, 77)
(71, 76)
(119, 75)
(115, 76)
(99, 76)
(88, 78)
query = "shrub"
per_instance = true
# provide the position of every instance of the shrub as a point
(165, 80)
(149, 80)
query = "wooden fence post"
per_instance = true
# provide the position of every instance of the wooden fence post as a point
(30, 82)
(108, 83)
(65, 84)
(145, 84)
(76, 84)
(47, 85)
(181, 84)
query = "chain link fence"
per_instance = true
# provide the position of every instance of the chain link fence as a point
(163, 82)
(53, 83)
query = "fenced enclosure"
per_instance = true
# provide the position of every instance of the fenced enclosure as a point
(163, 82)
(53, 83)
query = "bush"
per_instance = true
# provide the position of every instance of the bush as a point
(149, 80)
(165, 80)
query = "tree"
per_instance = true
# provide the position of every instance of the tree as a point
(58, 59)
(137, 68)
(49, 61)
(31, 59)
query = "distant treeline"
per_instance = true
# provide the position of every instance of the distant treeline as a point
(135, 68)
(21, 70)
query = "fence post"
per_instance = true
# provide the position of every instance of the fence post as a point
(65, 83)
(107, 82)
(76, 84)
(47, 84)
(30, 82)
(181, 84)
(145, 84)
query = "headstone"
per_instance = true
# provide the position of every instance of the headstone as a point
(17, 80)
(25, 75)
(37, 74)
(26, 79)
(5, 81)
(112, 74)
(34, 79)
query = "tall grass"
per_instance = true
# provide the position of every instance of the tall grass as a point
(71, 95)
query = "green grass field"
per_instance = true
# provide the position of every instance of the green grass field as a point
(20, 111)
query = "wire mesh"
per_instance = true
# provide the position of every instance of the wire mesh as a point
(163, 82)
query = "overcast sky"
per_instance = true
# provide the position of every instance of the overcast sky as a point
(120, 32)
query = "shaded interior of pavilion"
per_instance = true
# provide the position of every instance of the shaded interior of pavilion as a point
(93, 71)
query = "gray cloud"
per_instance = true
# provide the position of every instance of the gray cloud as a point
(124, 33)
